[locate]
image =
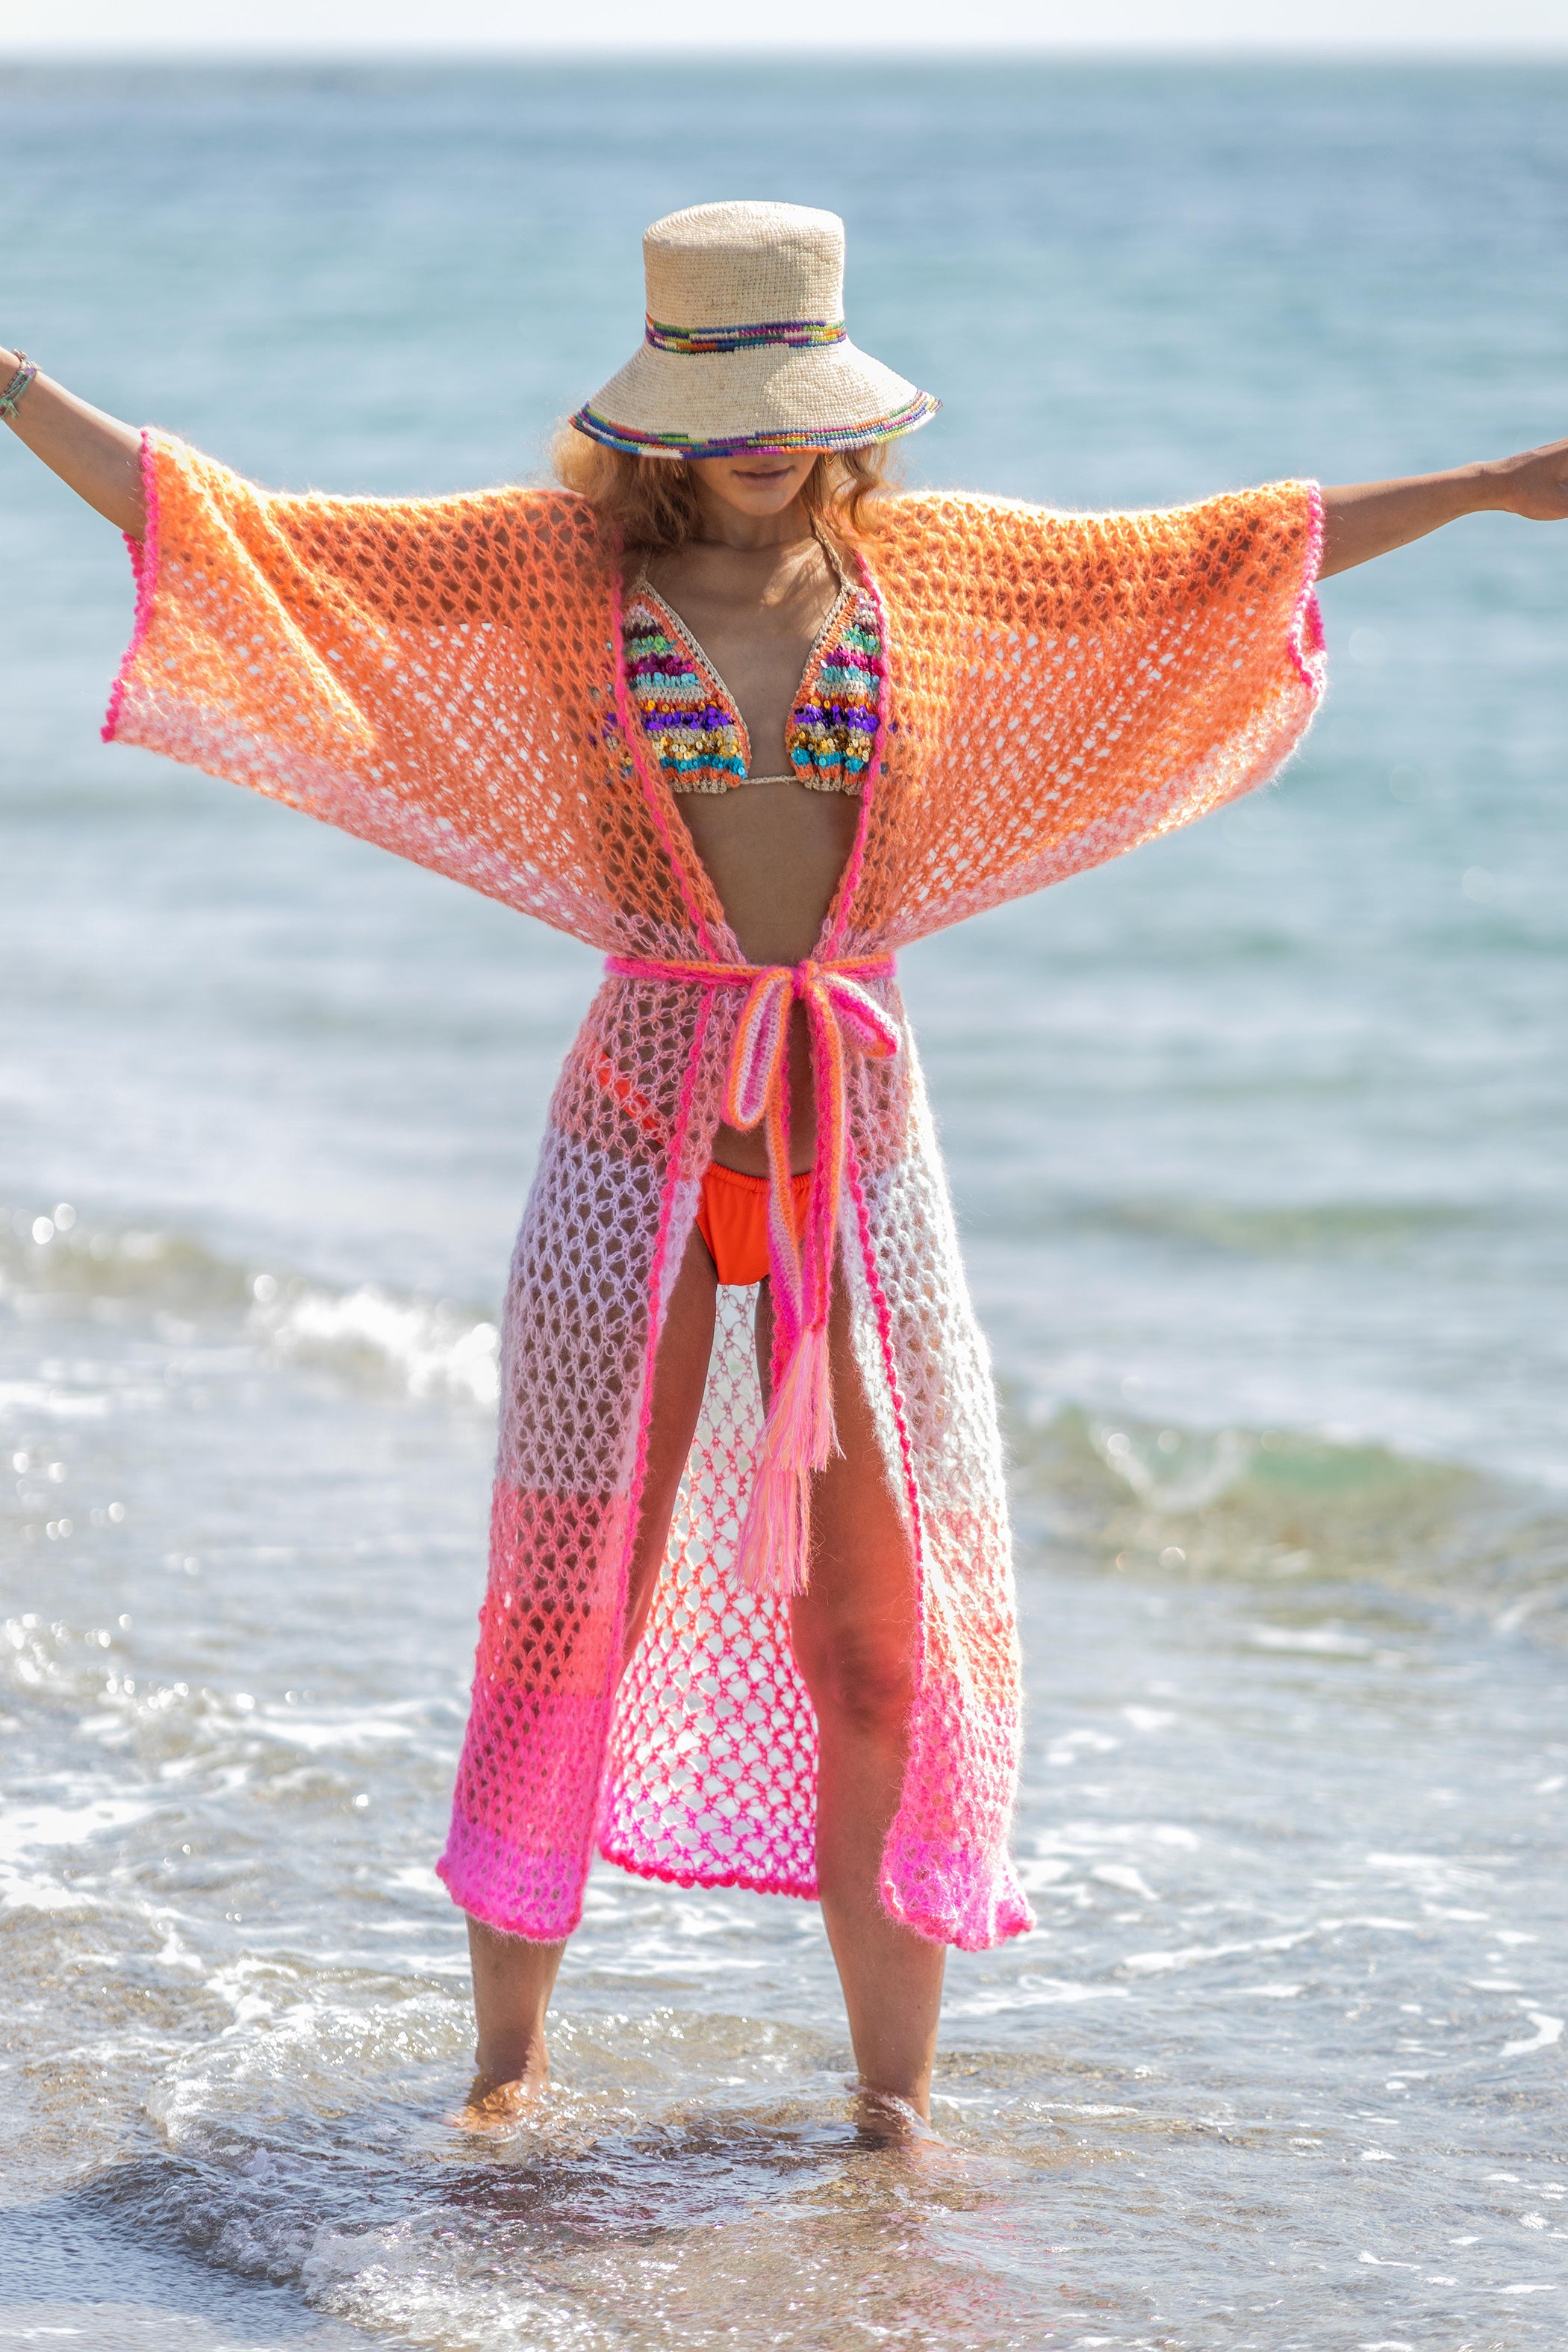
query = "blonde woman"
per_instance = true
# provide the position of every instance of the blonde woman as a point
(728, 709)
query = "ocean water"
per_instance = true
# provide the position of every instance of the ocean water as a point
(1256, 1139)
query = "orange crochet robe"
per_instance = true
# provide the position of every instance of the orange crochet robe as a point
(446, 676)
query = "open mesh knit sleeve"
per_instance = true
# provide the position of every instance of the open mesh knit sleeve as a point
(1065, 686)
(431, 674)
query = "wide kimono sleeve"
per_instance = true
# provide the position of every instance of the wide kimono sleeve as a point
(1065, 686)
(431, 674)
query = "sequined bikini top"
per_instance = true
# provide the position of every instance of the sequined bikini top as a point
(691, 718)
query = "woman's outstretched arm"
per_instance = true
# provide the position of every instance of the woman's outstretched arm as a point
(98, 456)
(1366, 519)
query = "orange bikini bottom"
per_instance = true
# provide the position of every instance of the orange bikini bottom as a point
(732, 1219)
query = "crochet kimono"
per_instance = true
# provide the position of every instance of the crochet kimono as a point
(448, 678)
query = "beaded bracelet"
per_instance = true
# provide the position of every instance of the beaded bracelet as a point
(18, 384)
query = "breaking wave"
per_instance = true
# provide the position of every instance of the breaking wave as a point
(54, 1262)
(1283, 1507)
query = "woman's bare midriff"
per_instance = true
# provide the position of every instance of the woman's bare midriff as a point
(774, 851)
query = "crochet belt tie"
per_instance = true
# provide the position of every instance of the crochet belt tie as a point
(842, 1018)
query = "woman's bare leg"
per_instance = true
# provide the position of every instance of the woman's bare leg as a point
(512, 1984)
(854, 1632)
(513, 1979)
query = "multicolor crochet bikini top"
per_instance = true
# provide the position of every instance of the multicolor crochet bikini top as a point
(692, 719)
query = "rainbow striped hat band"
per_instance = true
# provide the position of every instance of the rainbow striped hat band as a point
(746, 347)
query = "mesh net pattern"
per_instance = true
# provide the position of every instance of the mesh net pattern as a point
(1065, 686)
(712, 1762)
(443, 676)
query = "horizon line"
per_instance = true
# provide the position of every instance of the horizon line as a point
(1454, 50)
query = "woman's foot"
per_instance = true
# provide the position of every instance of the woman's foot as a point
(890, 2122)
(895, 2127)
(496, 2102)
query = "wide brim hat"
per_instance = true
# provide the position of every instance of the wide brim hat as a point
(745, 346)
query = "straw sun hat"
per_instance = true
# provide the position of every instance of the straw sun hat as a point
(745, 347)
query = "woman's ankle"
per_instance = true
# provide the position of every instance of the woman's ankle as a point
(513, 2057)
(892, 2116)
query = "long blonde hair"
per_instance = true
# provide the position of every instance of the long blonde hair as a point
(651, 502)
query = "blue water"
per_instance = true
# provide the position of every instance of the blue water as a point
(1257, 1140)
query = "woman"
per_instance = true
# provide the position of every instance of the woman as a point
(729, 711)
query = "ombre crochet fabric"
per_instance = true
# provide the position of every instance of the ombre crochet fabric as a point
(444, 676)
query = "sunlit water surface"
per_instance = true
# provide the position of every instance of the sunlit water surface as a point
(1256, 1139)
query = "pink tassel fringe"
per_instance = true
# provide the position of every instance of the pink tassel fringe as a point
(799, 1438)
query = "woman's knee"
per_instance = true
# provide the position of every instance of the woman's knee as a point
(860, 1677)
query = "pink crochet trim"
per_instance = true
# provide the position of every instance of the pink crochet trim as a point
(656, 792)
(849, 880)
(143, 554)
(977, 1907)
(1306, 638)
(857, 1191)
(655, 1279)
(748, 1881)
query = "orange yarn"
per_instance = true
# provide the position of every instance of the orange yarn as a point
(440, 676)
(446, 676)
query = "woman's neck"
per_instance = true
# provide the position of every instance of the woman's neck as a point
(724, 525)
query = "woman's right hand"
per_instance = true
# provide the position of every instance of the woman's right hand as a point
(97, 455)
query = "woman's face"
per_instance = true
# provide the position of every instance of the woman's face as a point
(758, 482)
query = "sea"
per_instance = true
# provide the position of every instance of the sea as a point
(1257, 1139)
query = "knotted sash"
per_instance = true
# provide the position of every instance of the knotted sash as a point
(798, 1435)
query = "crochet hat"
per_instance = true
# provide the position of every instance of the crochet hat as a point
(745, 347)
